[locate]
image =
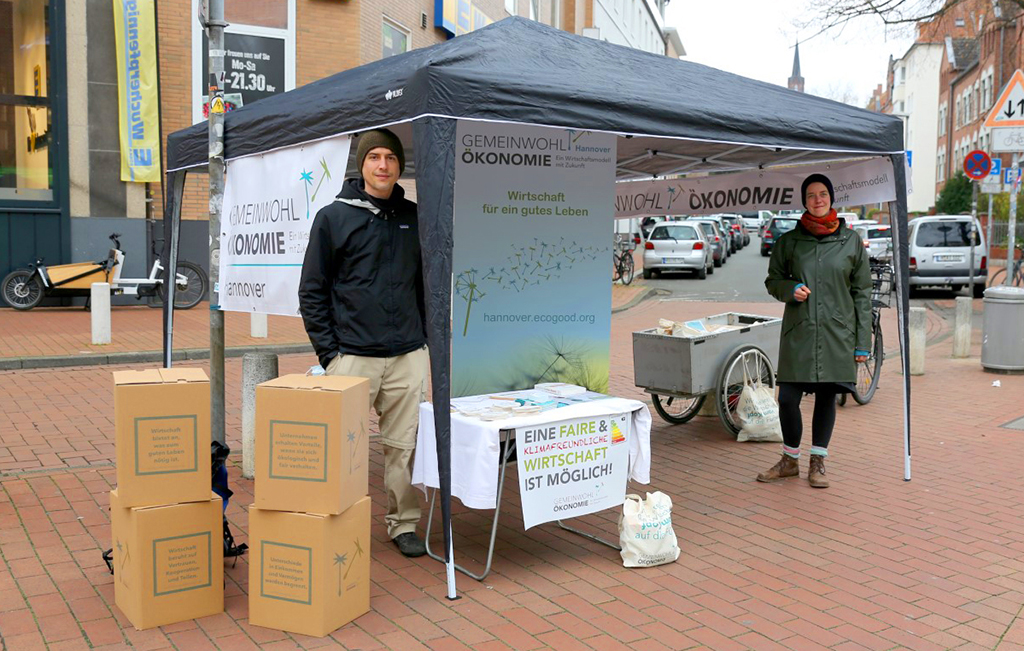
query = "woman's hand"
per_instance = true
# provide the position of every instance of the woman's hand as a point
(801, 293)
(860, 358)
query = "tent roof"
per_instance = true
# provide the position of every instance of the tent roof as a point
(518, 70)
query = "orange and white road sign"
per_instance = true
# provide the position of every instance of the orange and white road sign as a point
(1008, 110)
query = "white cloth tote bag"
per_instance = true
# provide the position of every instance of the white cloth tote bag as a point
(757, 410)
(645, 531)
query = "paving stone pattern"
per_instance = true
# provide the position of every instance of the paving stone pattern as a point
(871, 563)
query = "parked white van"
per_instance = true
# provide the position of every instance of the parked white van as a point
(940, 250)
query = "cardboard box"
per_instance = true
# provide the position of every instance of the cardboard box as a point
(168, 560)
(162, 436)
(312, 453)
(309, 573)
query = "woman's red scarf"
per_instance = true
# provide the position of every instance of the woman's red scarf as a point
(820, 225)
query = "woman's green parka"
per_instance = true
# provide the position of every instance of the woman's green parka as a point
(820, 335)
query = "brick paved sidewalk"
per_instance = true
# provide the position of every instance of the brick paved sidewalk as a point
(871, 563)
(65, 331)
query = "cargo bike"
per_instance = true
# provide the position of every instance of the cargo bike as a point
(680, 371)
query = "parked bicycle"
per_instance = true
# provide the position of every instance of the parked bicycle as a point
(869, 370)
(622, 262)
(23, 289)
(1017, 277)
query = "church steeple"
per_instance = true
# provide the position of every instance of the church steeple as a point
(796, 82)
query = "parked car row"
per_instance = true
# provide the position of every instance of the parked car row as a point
(691, 244)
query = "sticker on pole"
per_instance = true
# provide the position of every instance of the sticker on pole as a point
(1008, 110)
(977, 165)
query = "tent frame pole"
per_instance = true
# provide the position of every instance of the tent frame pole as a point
(901, 265)
(169, 255)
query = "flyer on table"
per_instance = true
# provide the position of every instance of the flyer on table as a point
(533, 235)
(270, 201)
(573, 468)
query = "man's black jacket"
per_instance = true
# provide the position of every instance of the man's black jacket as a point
(361, 291)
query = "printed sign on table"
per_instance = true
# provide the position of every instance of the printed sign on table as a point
(573, 468)
(270, 201)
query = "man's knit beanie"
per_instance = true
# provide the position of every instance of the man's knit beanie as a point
(817, 178)
(380, 138)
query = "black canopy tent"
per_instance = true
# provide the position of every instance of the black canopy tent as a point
(671, 116)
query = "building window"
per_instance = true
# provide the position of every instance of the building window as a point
(395, 39)
(534, 9)
(510, 7)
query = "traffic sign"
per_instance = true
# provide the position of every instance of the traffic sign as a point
(997, 168)
(1008, 111)
(1009, 178)
(977, 164)
(1007, 139)
(991, 185)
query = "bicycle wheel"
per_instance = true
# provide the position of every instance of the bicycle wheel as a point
(996, 279)
(677, 410)
(22, 289)
(616, 267)
(841, 399)
(627, 268)
(868, 372)
(731, 381)
(188, 294)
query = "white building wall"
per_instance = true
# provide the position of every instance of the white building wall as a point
(629, 23)
(921, 105)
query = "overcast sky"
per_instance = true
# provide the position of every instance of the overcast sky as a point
(754, 38)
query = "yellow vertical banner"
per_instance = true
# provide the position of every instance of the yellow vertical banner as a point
(138, 106)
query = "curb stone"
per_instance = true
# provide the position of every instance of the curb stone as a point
(137, 357)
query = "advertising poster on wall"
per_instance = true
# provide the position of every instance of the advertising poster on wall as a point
(270, 201)
(254, 68)
(573, 468)
(533, 233)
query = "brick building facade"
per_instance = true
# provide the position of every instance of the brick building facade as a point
(287, 43)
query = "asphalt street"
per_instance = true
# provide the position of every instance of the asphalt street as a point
(740, 279)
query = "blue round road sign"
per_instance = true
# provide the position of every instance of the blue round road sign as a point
(977, 165)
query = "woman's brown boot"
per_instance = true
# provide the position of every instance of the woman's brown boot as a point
(786, 467)
(816, 473)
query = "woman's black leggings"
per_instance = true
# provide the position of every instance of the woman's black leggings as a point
(792, 423)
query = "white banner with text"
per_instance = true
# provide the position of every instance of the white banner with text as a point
(856, 184)
(270, 201)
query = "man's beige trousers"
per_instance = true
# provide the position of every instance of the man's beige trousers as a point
(397, 387)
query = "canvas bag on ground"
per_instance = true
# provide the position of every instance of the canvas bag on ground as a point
(645, 531)
(757, 410)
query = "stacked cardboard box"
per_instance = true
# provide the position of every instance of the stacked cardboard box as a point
(166, 523)
(309, 528)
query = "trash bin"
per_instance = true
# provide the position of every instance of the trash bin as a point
(1002, 348)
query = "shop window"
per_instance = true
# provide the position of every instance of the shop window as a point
(26, 127)
(395, 39)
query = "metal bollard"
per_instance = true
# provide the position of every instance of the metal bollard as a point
(918, 326)
(258, 325)
(256, 368)
(962, 326)
(99, 300)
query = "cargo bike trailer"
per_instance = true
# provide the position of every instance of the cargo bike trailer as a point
(680, 372)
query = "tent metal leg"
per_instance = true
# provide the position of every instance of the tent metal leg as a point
(589, 536)
(506, 440)
(506, 437)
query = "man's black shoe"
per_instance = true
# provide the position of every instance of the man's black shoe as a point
(410, 544)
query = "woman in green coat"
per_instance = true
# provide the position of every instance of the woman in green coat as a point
(820, 271)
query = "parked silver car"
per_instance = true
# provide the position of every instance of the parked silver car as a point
(724, 230)
(940, 249)
(713, 232)
(877, 240)
(676, 246)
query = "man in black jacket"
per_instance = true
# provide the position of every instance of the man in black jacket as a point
(361, 299)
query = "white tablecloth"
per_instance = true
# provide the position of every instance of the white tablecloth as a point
(475, 447)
